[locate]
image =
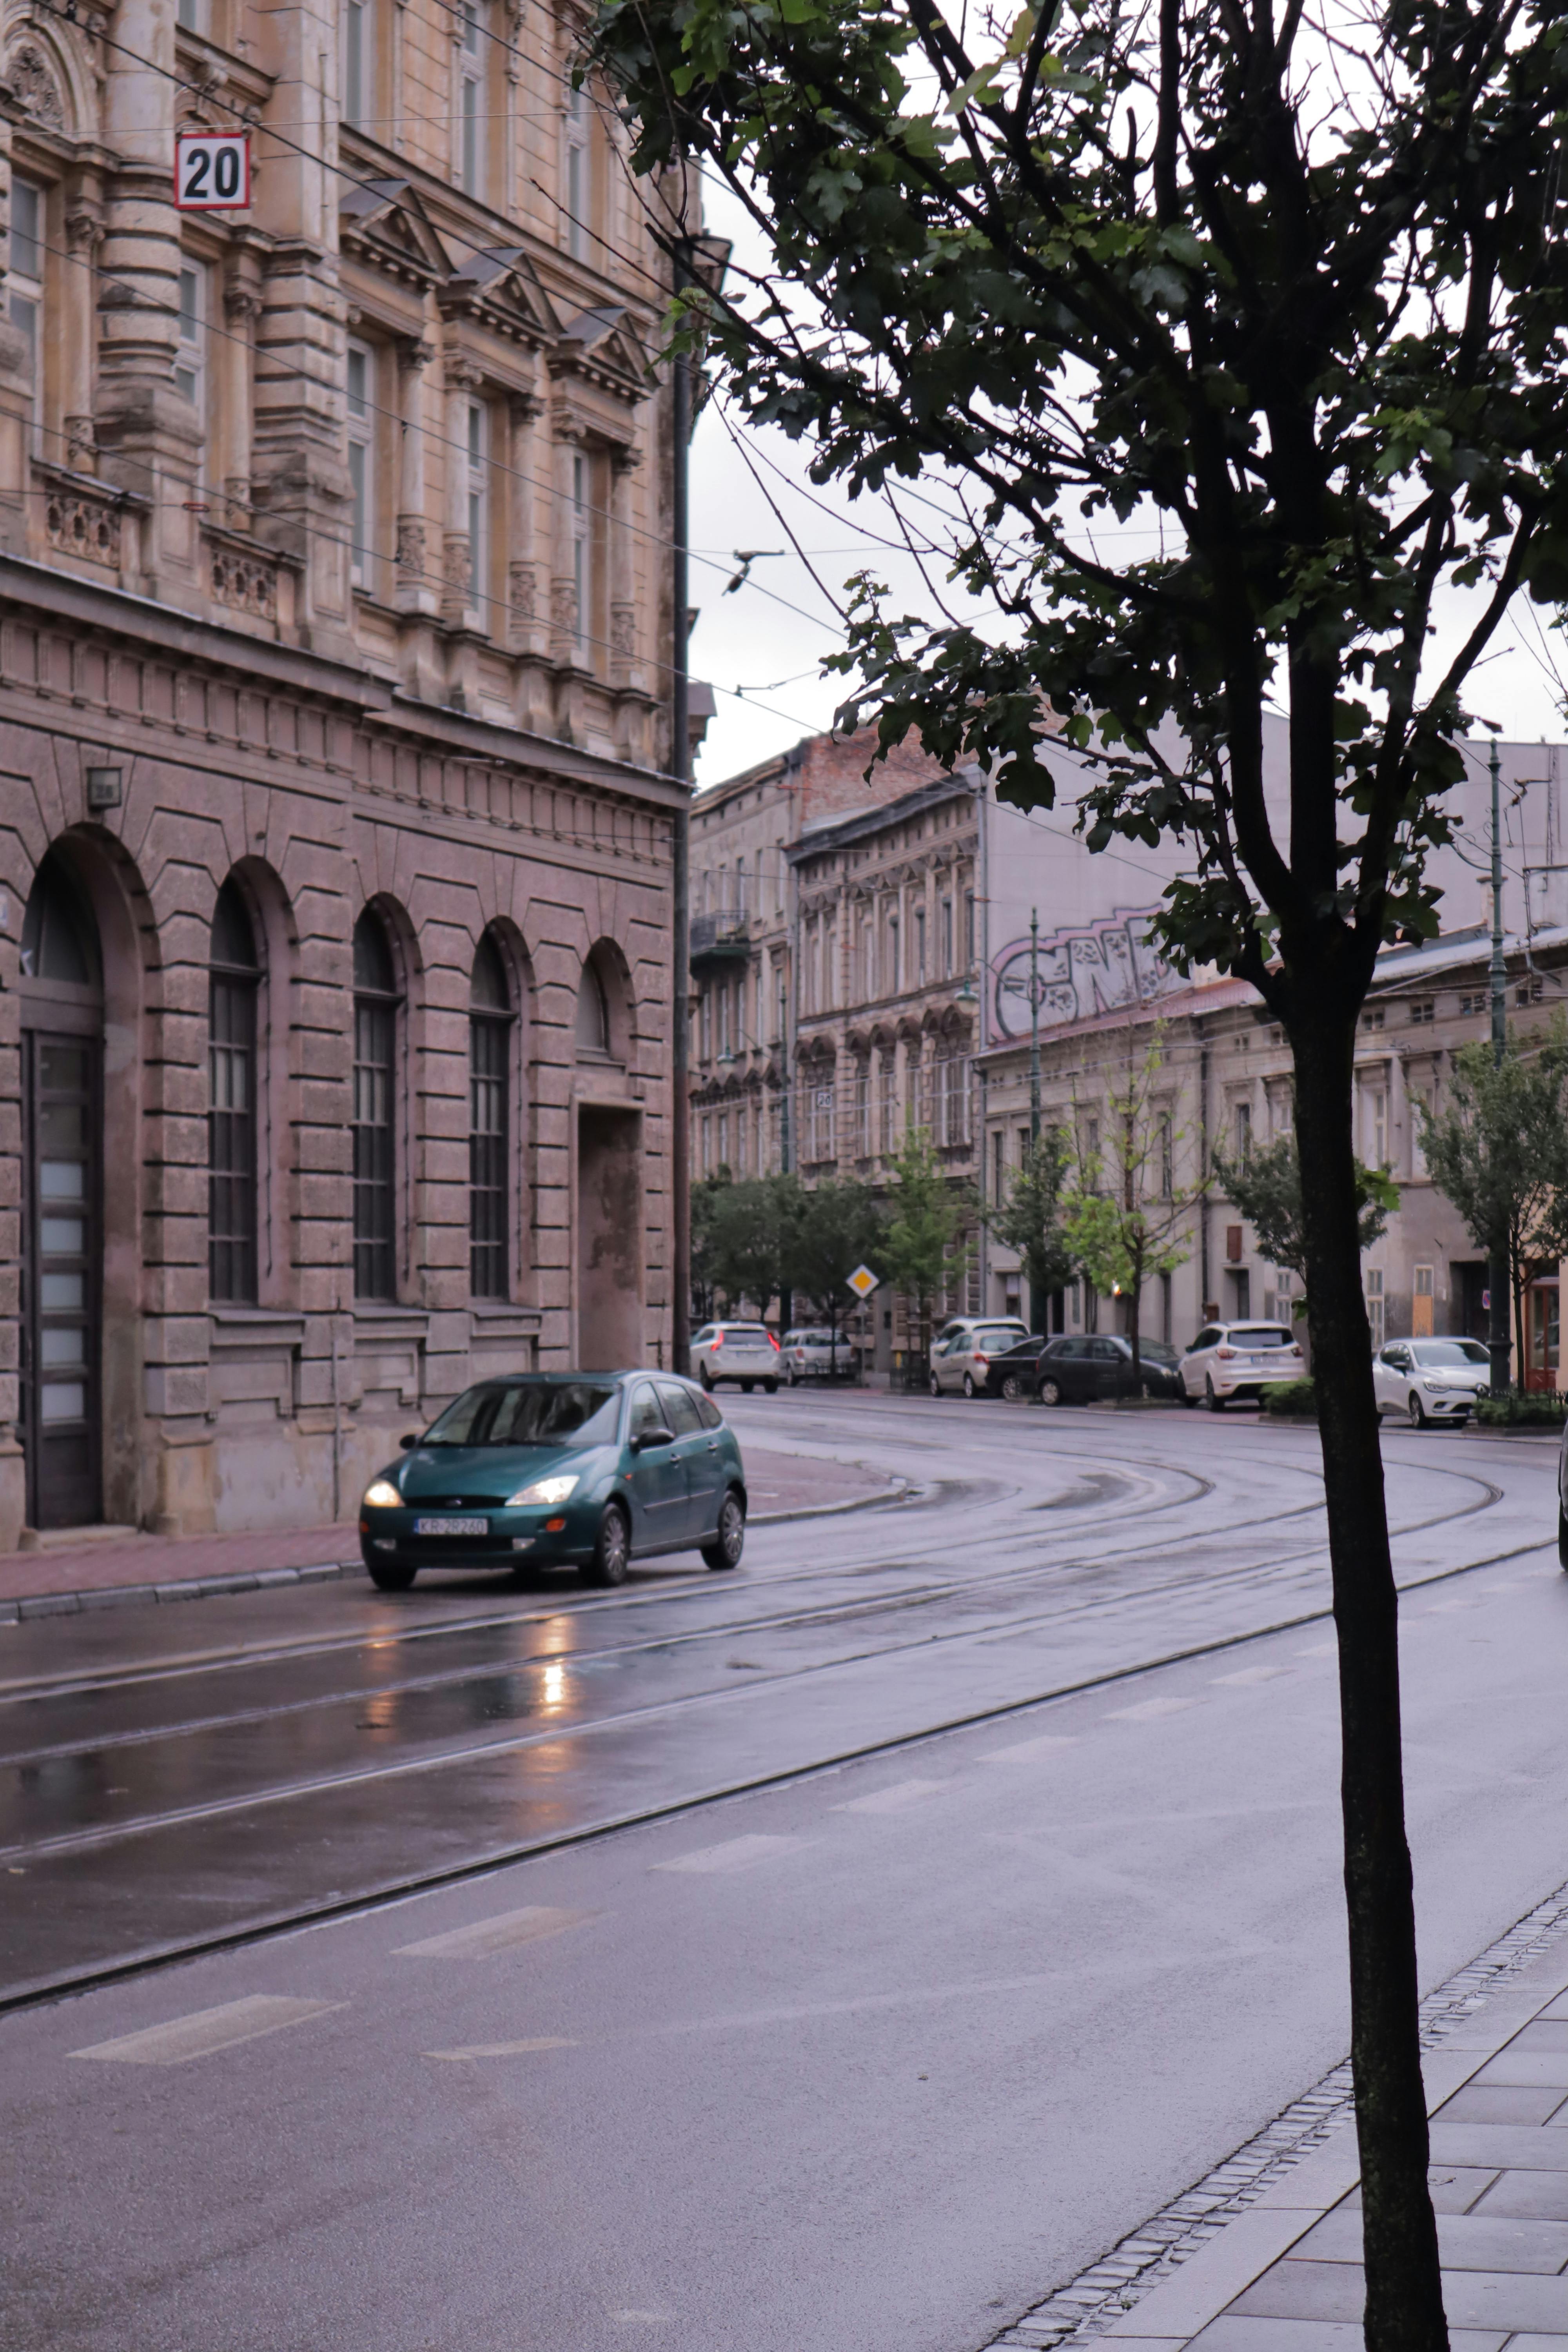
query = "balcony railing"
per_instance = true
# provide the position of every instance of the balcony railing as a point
(722, 938)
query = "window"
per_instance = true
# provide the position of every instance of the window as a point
(1377, 1126)
(1375, 1305)
(582, 521)
(944, 935)
(998, 1168)
(1242, 1122)
(1372, 1020)
(888, 1119)
(357, 60)
(891, 976)
(190, 359)
(26, 288)
(1167, 1170)
(362, 453)
(471, 124)
(862, 1110)
(233, 985)
(1423, 1009)
(376, 1002)
(479, 438)
(969, 927)
(593, 1016)
(578, 175)
(920, 947)
(490, 1044)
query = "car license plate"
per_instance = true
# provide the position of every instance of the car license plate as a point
(451, 1527)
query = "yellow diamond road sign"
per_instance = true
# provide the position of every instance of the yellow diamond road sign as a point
(862, 1281)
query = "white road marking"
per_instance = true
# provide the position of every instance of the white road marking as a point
(735, 1853)
(498, 1935)
(1025, 1751)
(1147, 1709)
(893, 1800)
(507, 2049)
(1320, 1650)
(207, 2030)
(1248, 1675)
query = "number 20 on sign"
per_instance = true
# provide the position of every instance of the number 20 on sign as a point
(212, 170)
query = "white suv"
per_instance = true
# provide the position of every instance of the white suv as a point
(965, 1347)
(746, 1352)
(1237, 1360)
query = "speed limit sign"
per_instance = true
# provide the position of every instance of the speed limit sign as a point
(212, 170)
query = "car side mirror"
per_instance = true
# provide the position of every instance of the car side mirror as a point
(410, 1442)
(646, 1437)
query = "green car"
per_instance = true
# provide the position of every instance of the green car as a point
(586, 1470)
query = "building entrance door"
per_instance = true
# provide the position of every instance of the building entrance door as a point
(62, 1278)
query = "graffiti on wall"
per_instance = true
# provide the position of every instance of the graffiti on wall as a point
(1098, 966)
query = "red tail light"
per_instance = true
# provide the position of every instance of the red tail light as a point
(1225, 1354)
(980, 1360)
(773, 1343)
(718, 1338)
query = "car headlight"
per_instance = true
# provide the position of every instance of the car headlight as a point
(383, 1496)
(546, 1490)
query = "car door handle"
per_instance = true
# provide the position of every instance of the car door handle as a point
(712, 1446)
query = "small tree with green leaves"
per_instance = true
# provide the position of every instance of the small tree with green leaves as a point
(1030, 1220)
(705, 1196)
(840, 1224)
(926, 1214)
(750, 1234)
(1266, 1186)
(1499, 1152)
(1127, 1219)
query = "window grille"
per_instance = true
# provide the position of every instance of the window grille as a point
(376, 1006)
(489, 1039)
(233, 982)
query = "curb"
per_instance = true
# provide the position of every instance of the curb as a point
(30, 1606)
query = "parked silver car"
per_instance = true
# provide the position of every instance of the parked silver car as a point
(1238, 1359)
(1431, 1380)
(964, 1349)
(813, 1355)
(745, 1352)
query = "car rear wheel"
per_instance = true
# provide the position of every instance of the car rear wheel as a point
(730, 1539)
(935, 1386)
(746, 1387)
(1215, 1403)
(969, 1384)
(611, 1548)
(1050, 1392)
(770, 1388)
(391, 1575)
(1416, 1411)
(1012, 1388)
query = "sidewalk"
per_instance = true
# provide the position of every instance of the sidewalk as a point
(1285, 2274)
(117, 1568)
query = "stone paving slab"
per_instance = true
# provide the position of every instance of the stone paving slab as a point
(121, 1572)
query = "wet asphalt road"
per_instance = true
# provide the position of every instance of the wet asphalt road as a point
(870, 2051)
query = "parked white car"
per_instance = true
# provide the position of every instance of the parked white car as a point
(746, 1352)
(1431, 1380)
(965, 1347)
(812, 1355)
(1238, 1359)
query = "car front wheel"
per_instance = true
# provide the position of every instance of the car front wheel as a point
(1416, 1411)
(611, 1548)
(1050, 1392)
(969, 1384)
(935, 1386)
(730, 1540)
(391, 1575)
(1215, 1403)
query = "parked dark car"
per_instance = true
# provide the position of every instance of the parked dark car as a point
(1011, 1374)
(1080, 1367)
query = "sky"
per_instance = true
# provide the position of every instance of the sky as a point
(760, 644)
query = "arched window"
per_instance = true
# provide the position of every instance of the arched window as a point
(489, 1040)
(376, 1003)
(59, 937)
(232, 986)
(593, 1014)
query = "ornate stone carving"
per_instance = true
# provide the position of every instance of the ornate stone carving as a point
(248, 584)
(412, 353)
(410, 550)
(83, 526)
(457, 567)
(84, 232)
(237, 511)
(564, 615)
(32, 78)
(82, 445)
(524, 590)
(462, 373)
(623, 633)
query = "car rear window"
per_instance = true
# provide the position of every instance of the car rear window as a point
(745, 1331)
(1259, 1335)
(529, 1412)
(997, 1335)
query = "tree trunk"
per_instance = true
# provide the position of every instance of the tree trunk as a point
(1404, 2289)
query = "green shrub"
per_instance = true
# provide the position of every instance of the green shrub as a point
(1291, 1399)
(1523, 1411)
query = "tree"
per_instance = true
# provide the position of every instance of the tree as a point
(1500, 1154)
(1282, 294)
(750, 1238)
(704, 1199)
(1266, 1188)
(926, 1213)
(1029, 1219)
(841, 1225)
(1128, 1217)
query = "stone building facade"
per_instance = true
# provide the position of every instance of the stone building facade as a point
(334, 811)
(1226, 1078)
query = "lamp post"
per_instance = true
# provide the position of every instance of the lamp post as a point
(1497, 1272)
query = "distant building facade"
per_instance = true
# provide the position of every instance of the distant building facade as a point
(334, 870)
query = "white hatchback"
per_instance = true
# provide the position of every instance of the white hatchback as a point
(1238, 1359)
(964, 1347)
(1431, 1380)
(745, 1352)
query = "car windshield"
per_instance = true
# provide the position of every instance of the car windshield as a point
(1259, 1334)
(529, 1412)
(1156, 1351)
(1451, 1351)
